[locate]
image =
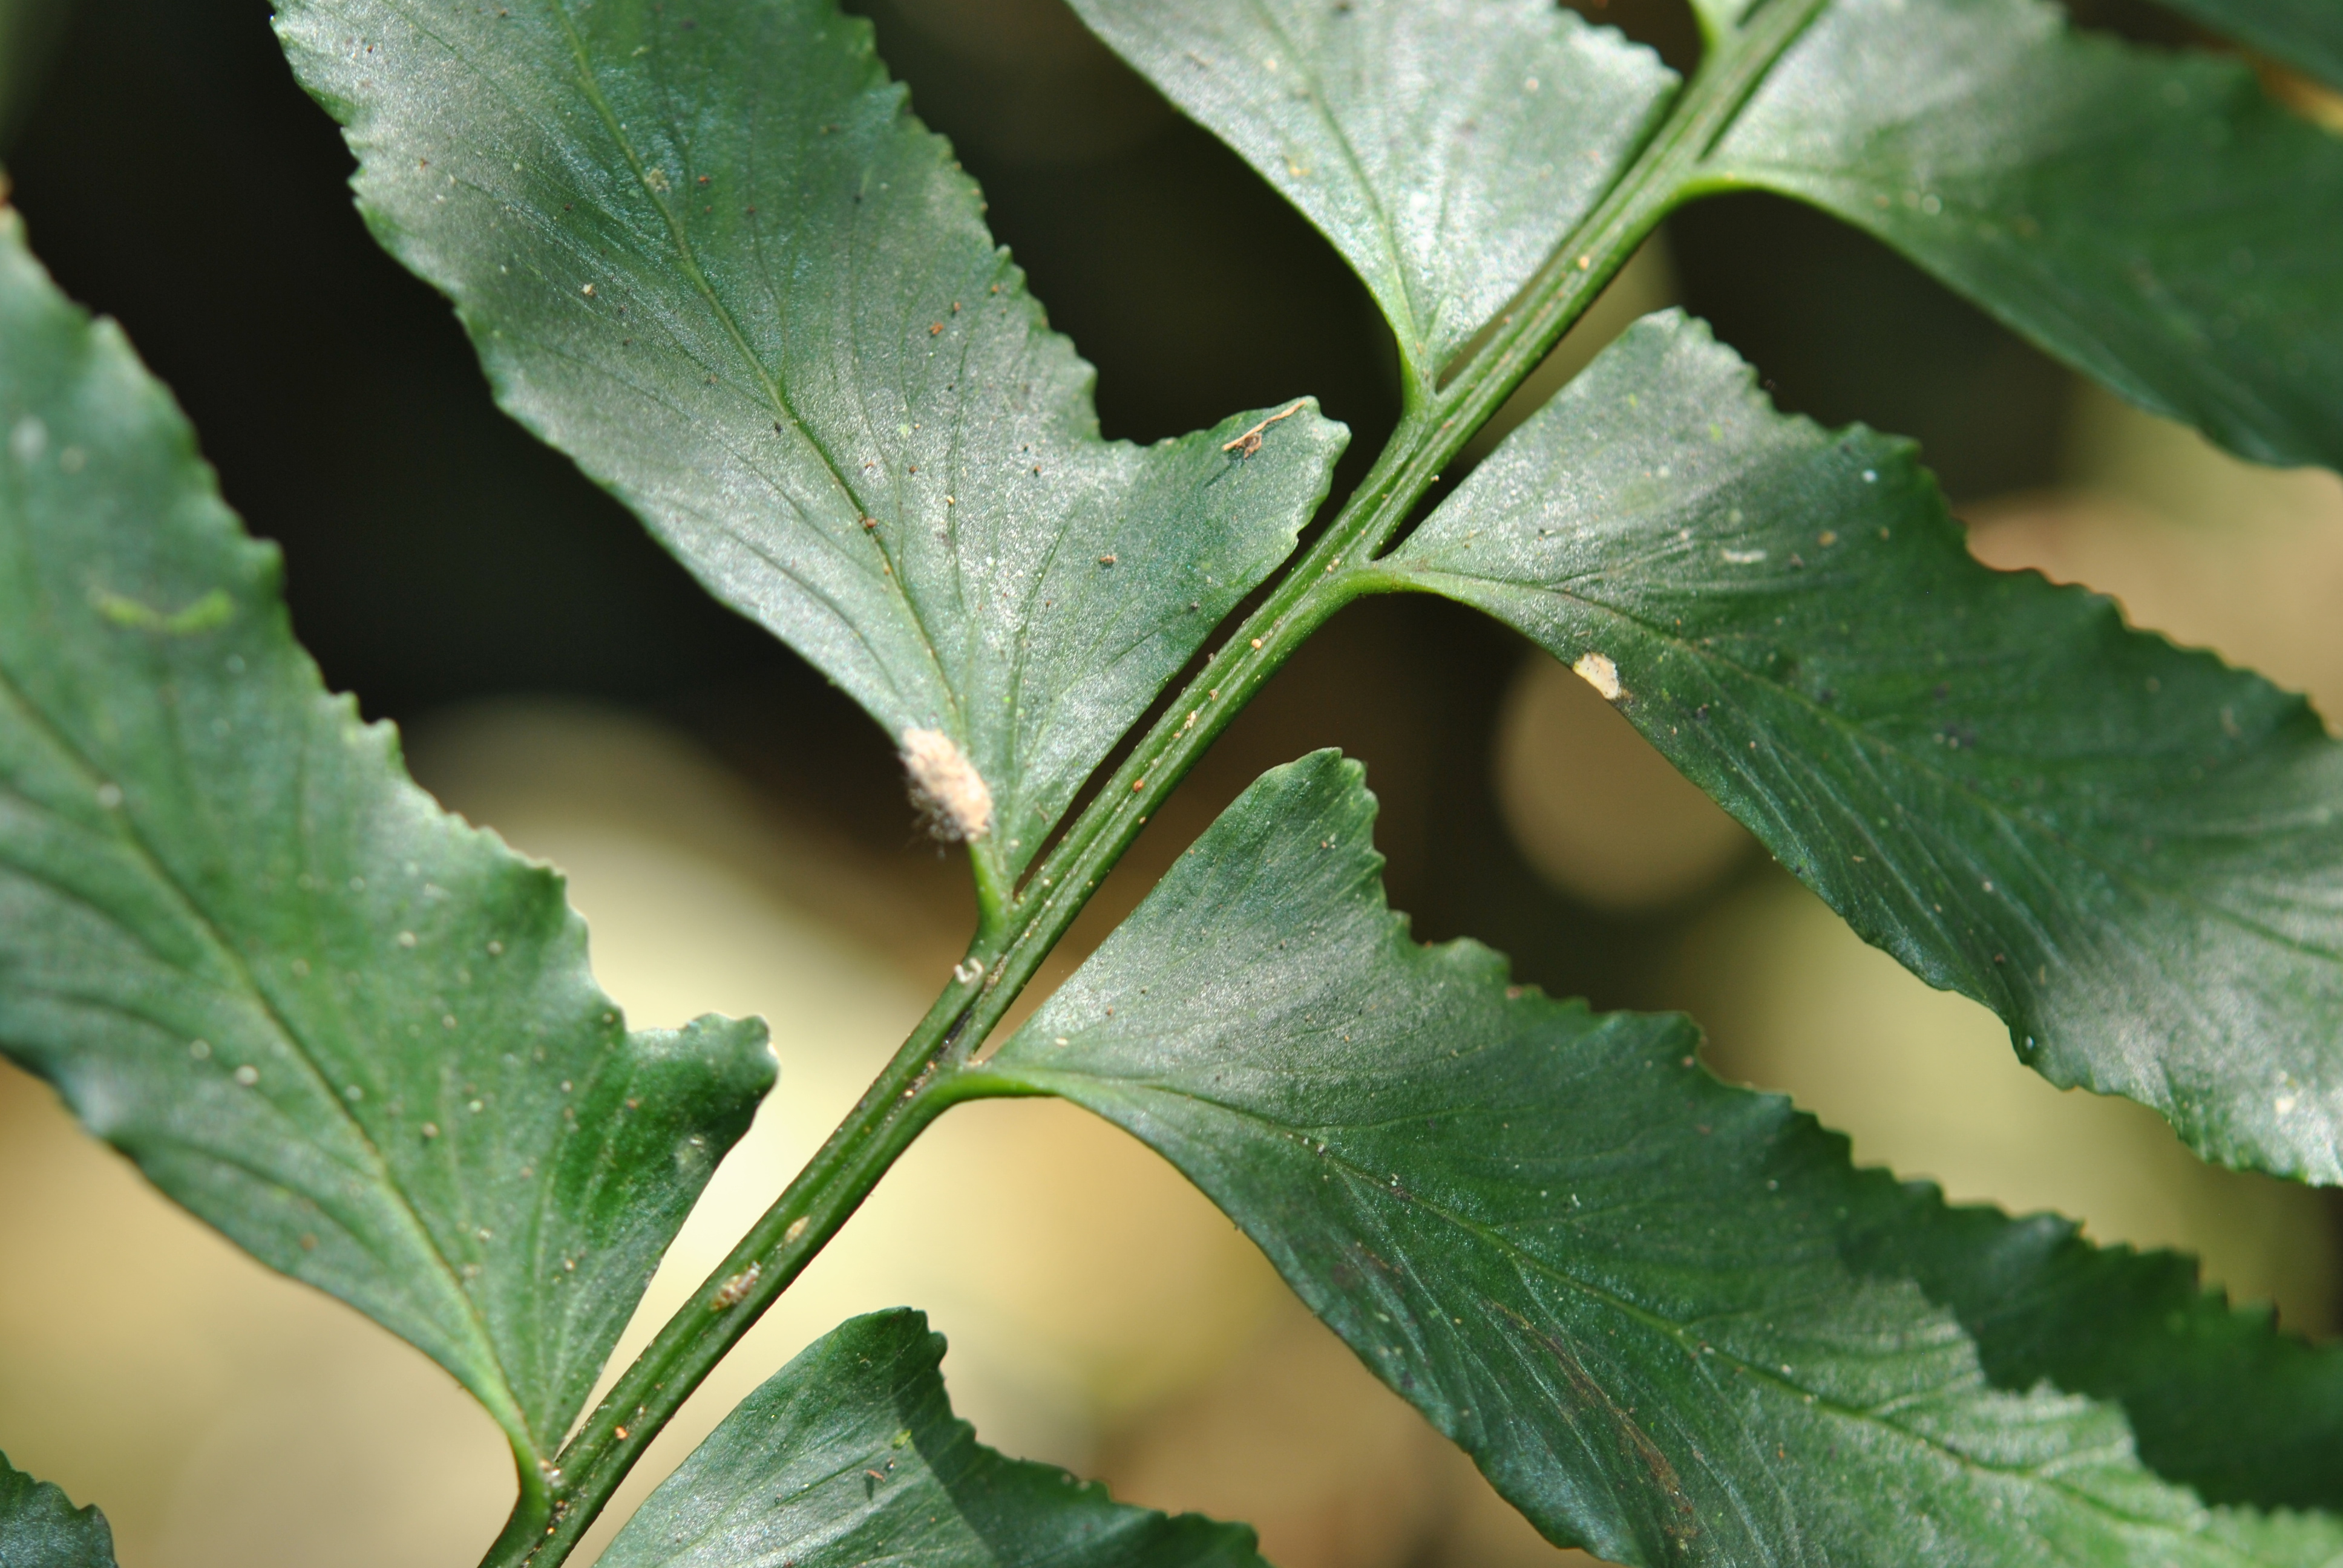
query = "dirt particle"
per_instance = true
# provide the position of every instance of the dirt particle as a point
(1597, 670)
(734, 1291)
(952, 797)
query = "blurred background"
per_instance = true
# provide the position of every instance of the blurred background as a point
(737, 837)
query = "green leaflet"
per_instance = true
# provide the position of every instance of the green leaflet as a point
(2217, 1398)
(41, 1528)
(1444, 147)
(354, 1033)
(704, 250)
(850, 1454)
(2150, 217)
(1655, 1309)
(2304, 33)
(2132, 854)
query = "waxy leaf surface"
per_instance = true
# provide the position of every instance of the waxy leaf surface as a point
(1444, 147)
(2133, 853)
(354, 1033)
(1663, 1315)
(2217, 1398)
(705, 250)
(851, 1455)
(41, 1528)
(2150, 216)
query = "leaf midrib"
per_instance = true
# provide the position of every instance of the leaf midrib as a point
(775, 396)
(1384, 229)
(511, 1418)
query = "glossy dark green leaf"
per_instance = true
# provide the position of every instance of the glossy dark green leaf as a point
(1655, 1310)
(2217, 1398)
(2304, 33)
(354, 1033)
(851, 1455)
(41, 1528)
(705, 250)
(2151, 217)
(1444, 147)
(2133, 854)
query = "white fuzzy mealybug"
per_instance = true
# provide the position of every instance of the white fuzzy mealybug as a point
(950, 794)
(1597, 670)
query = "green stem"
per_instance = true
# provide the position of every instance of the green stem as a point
(894, 1110)
(1019, 928)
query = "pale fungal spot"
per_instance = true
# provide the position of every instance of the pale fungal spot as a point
(656, 179)
(951, 795)
(248, 1075)
(797, 1228)
(406, 939)
(430, 1129)
(29, 439)
(2283, 1104)
(733, 1292)
(109, 796)
(1744, 558)
(201, 1049)
(1597, 670)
